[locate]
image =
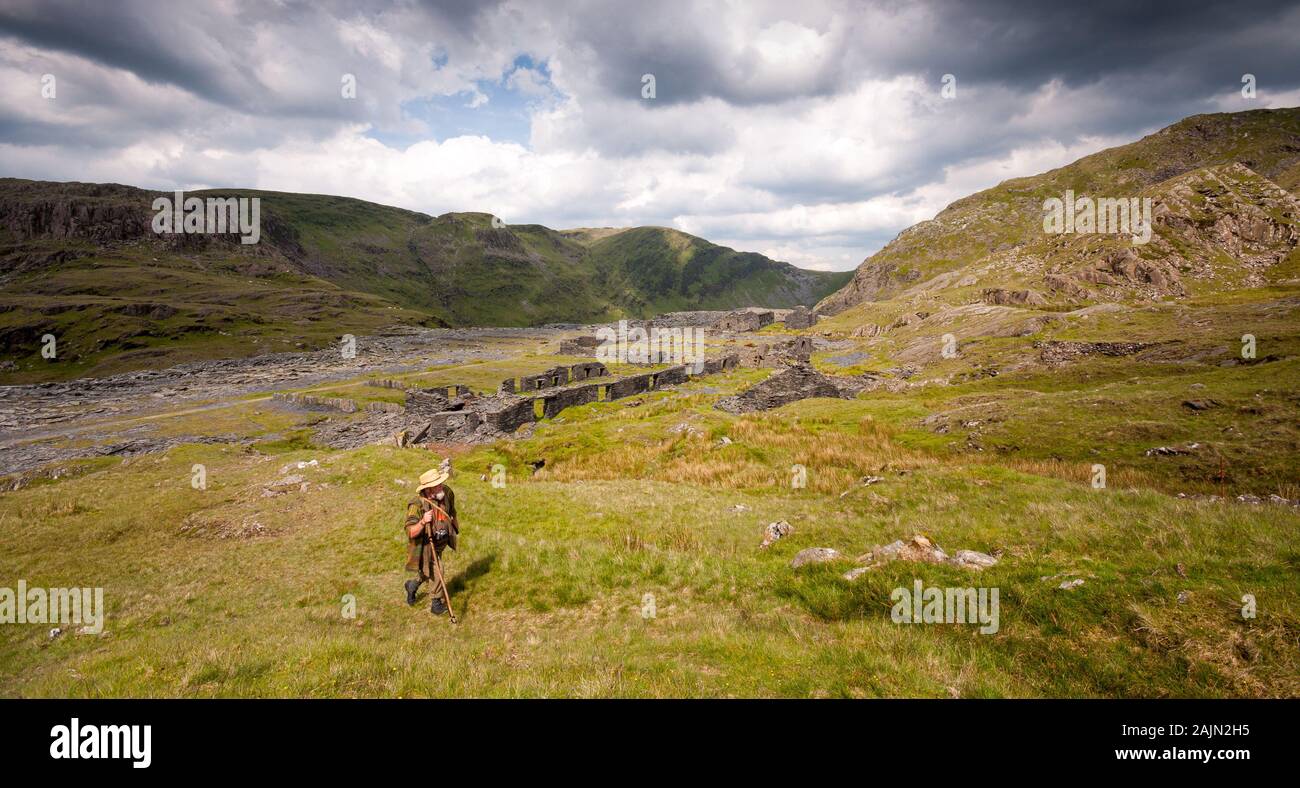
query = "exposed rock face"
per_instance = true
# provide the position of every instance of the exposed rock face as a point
(1125, 268)
(1060, 352)
(1067, 286)
(99, 212)
(866, 331)
(905, 320)
(1229, 211)
(870, 281)
(1000, 297)
(789, 385)
(1219, 213)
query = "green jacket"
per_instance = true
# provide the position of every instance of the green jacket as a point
(414, 511)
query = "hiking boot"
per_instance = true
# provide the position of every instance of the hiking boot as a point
(438, 607)
(412, 586)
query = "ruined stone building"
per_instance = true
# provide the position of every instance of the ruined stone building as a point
(776, 353)
(800, 318)
(455, 414)
(582, 346)
(744, 320)
(554, 377)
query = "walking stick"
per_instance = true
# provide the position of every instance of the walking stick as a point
(437, 568)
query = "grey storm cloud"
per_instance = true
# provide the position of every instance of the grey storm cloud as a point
(1015, 42)
(243, 78)
(1011, 43)
(1165, 54)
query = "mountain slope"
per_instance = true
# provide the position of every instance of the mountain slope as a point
(80, 262)
(651, 270)
(996, 238)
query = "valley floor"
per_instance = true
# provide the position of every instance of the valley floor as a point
(620, 557)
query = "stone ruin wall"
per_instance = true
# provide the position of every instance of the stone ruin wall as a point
(582, 346)
(744, 321)
(507, 411)
(553, 378)
(800, 318)
(782, 353)
(455, 414)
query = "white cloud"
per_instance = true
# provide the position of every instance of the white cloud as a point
(811, 133)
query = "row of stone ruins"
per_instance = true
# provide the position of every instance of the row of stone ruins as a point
(339, 404)
(753, 320)
(455, 414)
(775, 352)
(738, 321)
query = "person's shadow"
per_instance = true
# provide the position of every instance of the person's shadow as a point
(463, 583)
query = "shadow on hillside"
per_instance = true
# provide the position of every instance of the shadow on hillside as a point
(464, 582)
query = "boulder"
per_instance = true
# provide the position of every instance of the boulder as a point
(919, 548)
(814, 555)
(775, 531)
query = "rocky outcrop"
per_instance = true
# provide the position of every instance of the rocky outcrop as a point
(1062, 352)
(91, 211)
(998, 296)
(921, 550)
(1217, 215)
(872, 279)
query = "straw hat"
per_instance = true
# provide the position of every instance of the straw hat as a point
(435, 477)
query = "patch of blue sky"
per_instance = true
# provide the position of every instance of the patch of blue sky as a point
(499, 109)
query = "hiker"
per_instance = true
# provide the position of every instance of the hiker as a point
(434, 503)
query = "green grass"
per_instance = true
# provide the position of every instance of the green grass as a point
(554, 568)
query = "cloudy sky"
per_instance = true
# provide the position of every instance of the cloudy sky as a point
(809, 131)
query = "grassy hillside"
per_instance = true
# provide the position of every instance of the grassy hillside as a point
(1006, 374)
(79, 261)
(995, 238)
(652, 270)
(628, 565)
